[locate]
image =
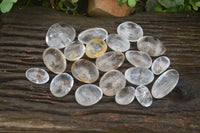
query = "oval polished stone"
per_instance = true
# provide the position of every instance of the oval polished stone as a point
(139, 76)
(85, 71)
(111, 82)
(54, 60)
(165, 83)
(37, 75)
(151, 45)
(61, 84)
(139, 58)
(160, 64)
(88, 94)
(110, 61)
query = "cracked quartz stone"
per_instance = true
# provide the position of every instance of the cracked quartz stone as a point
(160, 64)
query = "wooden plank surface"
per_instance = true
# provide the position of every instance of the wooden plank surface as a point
(27, 107)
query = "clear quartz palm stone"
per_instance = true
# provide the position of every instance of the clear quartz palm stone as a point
(37, 75)
(88, 94)
(165, 83)
(60, 35)
(130, 31)
(160, 64)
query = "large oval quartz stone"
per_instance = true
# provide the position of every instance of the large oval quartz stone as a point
(88, 94)
(139, 58)
(60, 35)
(160, 64)
(110, 61)
(139, 76)
(54, 60)
(111, 82)
(85, 71)
(61, 84)
(165, 83)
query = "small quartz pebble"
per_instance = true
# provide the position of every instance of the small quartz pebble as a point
(88, 94)
(110, 61)
(37, 75)
(160, 64)
(151, 45)
(143, 96)
(61, 84)
(125, 96)
(139, 76)
(165, 83)
(111, 82)
(139, 58)
(54, 60)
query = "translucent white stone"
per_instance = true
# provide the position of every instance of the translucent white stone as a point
(61, 84)
(160, 64)
(130, 30)
(60, 35)
(92, 33)
(139, 76)
(111, 82)
(151, 45)
(143, 96)
(37, 75)
(88, 94)
(125, 96)
(110, 61)
(165, 83)
(139, 58)
(54, 60)
(85, 71)
(117, 42)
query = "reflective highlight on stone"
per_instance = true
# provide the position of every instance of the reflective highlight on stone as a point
(160, 64)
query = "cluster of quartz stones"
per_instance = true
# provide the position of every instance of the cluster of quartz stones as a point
(94, 42)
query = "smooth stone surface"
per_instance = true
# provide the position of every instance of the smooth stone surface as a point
(130, 31)
(60, 35)
(85, 71)
(117, 43)
(165, 83)
(88, 94)
(37, 75)
(61, 84)
(111, 82)
(54, 60)
(139, 76)
(139, 58)
(110, 61)
(151, 45)
(160, 64)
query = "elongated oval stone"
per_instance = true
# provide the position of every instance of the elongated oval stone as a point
(139, 76)
(165, 83)
(110, 61)
(61, 84)
(54, 60)
(88, 94)
(151, 45)
(111, 82)
(37, 75)
(160, 64)
(139, 58)
(85, 71)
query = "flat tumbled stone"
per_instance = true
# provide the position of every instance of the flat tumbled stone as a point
(160, 64)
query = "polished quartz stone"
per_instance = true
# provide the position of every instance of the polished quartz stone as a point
(117, 42)
(111, 82)
(130, 31)
(139, 58)
(165, 83)
(160, 64)
(95, 48)
(54, 60)
(85, 71)
(139, 76)
(60, 35)
(61, 84)
(143, 96)
(151, 45)
(110, 61)
(125, 96)
(37, 75)
(88, 94)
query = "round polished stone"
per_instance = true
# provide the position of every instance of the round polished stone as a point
(160, 64)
